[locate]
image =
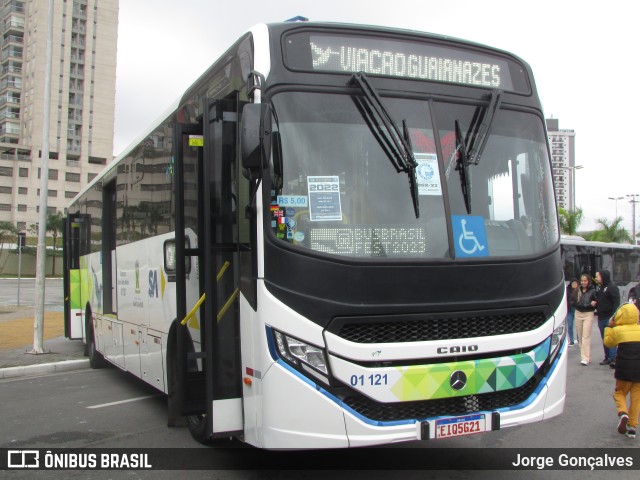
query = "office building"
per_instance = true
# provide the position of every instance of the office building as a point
(563, 159)
(83, 78)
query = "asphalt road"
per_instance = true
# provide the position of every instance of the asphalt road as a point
(53, 299)
(110, 409)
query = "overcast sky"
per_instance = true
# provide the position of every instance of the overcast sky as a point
(584, 59)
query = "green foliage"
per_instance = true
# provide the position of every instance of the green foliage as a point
(570, 220)
(54, 226)
(611, 232)
(7, 230)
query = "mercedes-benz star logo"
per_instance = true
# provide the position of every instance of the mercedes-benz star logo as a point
(458, 380)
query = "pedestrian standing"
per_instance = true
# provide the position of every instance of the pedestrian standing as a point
(623, 332)
(606, 303)
(572, 299)
(584, 317)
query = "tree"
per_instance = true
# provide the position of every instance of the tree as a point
(54, 225)
(611, 232)
(570, 220)
(7, 229)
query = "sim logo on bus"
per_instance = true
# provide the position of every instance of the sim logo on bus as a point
(153, 284)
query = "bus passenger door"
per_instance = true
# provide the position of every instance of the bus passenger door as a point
(208, 358)
(221, 267)
(76, 239)
(185, 356)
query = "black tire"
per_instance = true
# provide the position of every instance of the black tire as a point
(198, 428)
(96, 360)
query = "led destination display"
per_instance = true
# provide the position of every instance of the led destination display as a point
(404, 59)
(364, 241)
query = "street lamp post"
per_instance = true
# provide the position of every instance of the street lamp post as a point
(616, 200)
(572, 184)
(633, 199)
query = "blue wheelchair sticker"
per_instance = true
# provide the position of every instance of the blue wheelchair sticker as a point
(470, 236)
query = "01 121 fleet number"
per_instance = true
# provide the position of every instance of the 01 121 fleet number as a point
(373, 380)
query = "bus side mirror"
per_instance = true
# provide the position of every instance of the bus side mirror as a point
(255, 136)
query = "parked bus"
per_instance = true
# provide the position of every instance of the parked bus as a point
(622, 260)
(339, 236)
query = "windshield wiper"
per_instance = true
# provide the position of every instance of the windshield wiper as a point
(469, 150)
(396, 145)
(462, 166)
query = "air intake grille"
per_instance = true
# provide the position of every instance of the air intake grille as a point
(439, 328)
(391, 412)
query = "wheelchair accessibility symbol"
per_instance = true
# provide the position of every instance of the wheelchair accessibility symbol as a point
(470, 236)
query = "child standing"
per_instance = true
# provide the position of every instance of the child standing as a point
(624, 332)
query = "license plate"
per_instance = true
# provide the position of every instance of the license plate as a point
(459, 426)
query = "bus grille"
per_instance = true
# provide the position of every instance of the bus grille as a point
(440, 328)
(393, 412)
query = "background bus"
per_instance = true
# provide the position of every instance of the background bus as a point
(339, 236)
(622, 260)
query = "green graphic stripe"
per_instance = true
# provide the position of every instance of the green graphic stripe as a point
(86, 283)
(427, 382)
(74, 289)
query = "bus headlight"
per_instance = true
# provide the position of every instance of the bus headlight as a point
(298, 352)
(557, 337)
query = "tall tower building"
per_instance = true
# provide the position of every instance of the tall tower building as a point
(83, 78)
(563, 163)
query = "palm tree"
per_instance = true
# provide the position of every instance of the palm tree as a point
(611, 232)
(54, 225)
(7, 229)
(570, 220)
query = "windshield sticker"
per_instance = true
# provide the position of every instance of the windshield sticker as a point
(470, 236)
(324, 198)
(428, 174)
(292, 200)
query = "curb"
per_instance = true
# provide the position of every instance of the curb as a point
(43, 368)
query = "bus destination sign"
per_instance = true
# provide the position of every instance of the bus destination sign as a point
(409, 60)
(406, 59)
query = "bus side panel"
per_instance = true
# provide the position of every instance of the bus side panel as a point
(146, 307)
(151, 361)
(114, 351)
(132, 299)
(250, 339)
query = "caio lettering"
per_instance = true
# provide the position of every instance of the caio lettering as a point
(457, 349)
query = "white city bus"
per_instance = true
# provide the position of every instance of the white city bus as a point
(622, 260)
(339, 236)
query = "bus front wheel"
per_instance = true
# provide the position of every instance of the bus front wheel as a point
(198, 428)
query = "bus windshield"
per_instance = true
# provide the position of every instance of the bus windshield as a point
(335, 191)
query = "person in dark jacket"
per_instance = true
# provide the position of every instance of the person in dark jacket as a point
(623, 332)
(584, 317)
(607, 301)
(572, 299)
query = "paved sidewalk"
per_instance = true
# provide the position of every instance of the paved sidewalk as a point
(16, 343)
